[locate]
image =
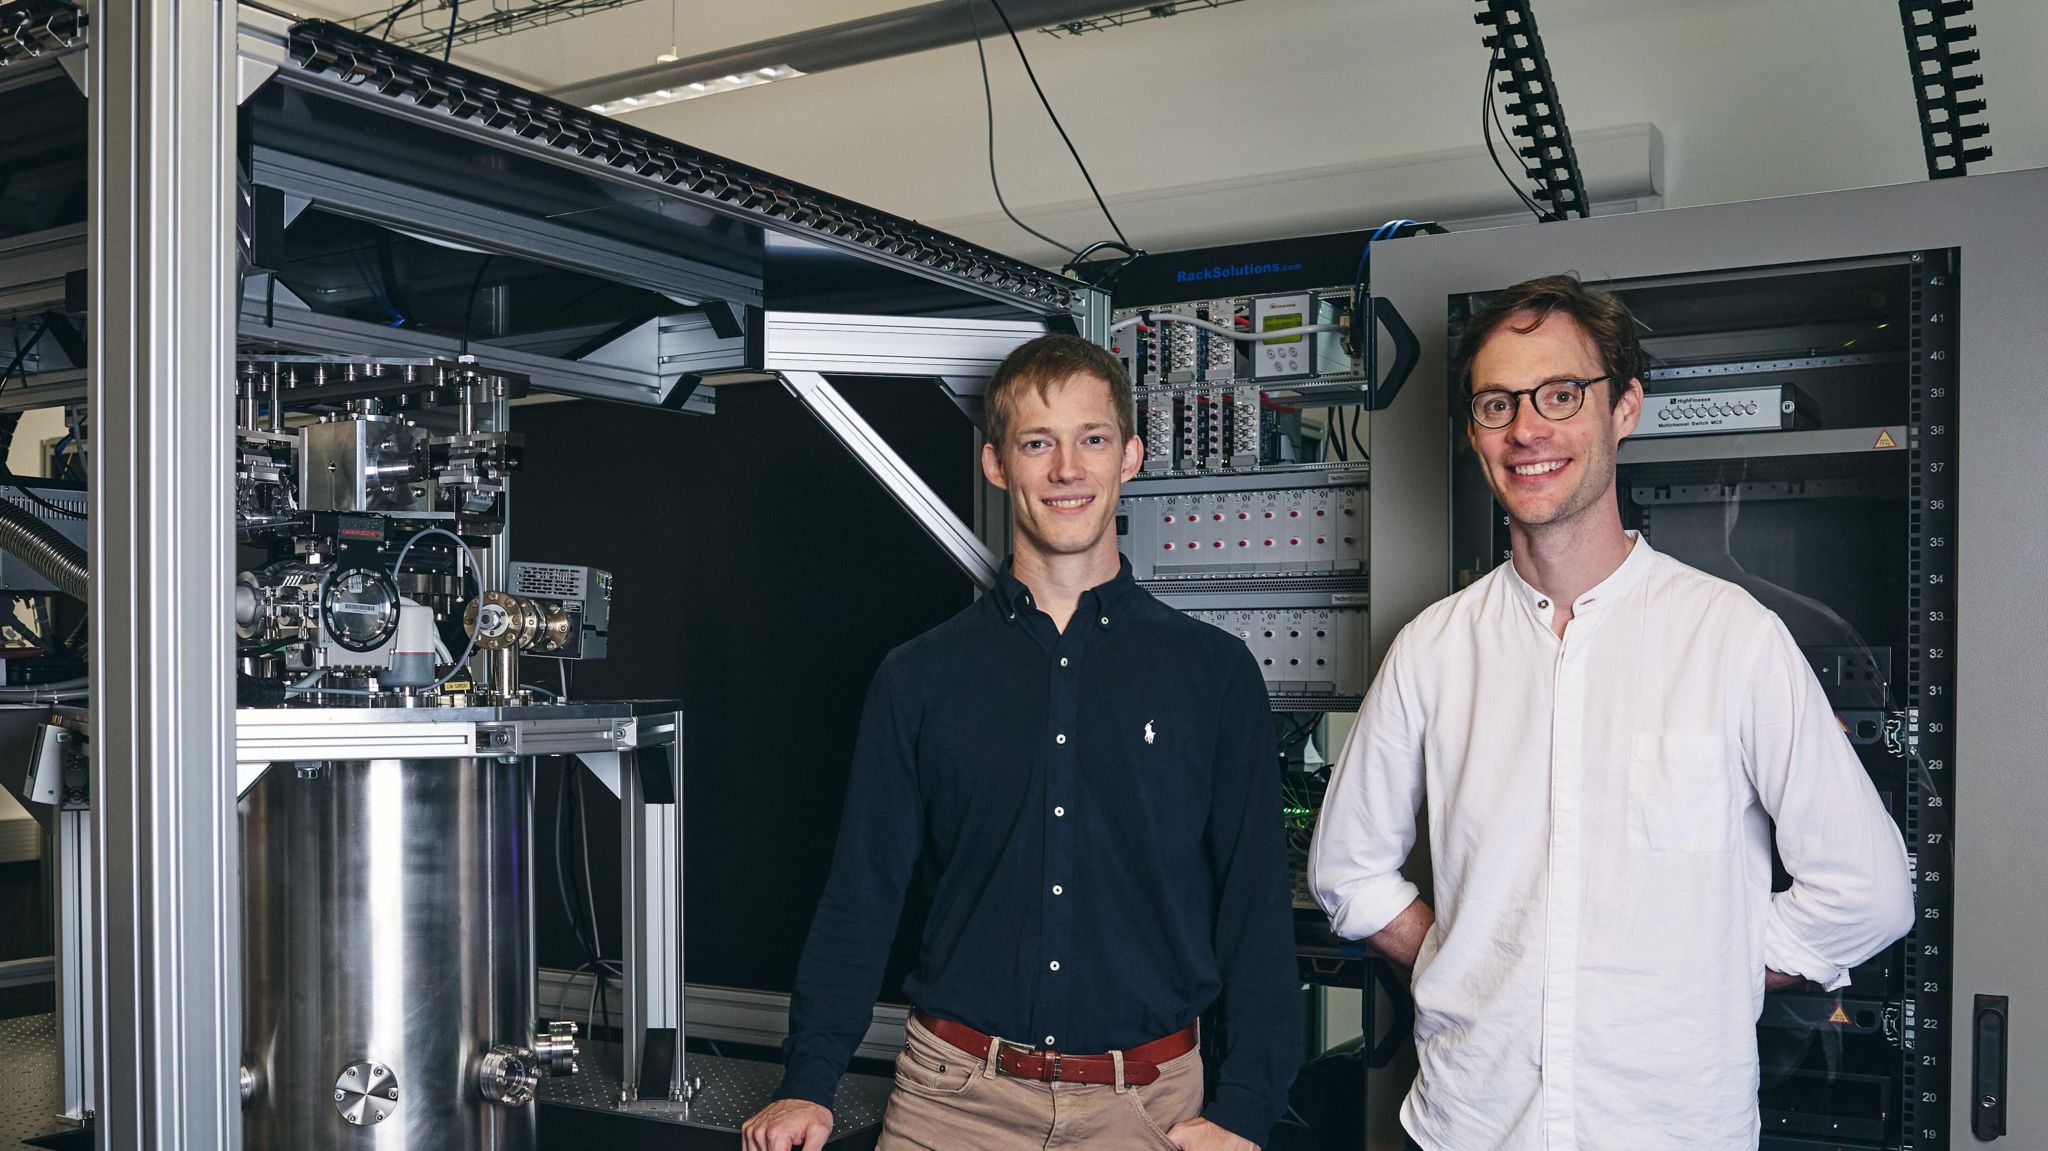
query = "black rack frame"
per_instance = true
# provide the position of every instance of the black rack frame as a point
(1921, 1021)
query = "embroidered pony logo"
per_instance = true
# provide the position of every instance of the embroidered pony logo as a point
(1150, 735)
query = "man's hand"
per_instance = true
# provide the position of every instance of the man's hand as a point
(787, 1124)
(1202, 1135)
(1778, 980)
(1401, 940)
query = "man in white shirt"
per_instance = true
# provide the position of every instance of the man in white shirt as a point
(1607, 740)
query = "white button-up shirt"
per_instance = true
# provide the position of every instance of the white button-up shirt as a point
(1601, 812)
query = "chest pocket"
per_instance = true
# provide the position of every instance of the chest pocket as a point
(1680, 793)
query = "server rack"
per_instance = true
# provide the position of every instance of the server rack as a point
(1252, 514)
(1959, 541)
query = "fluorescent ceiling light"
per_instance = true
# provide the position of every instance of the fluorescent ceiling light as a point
(696, 88)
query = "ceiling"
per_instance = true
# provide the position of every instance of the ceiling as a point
(1748, 98)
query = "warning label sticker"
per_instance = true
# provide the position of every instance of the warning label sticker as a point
(1839, 1015)
(1884, 439)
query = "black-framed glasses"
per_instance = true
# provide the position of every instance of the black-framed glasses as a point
(1553, 400)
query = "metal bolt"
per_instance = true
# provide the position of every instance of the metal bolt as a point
(339, 1094)
(351, 1073)
(391, 1094)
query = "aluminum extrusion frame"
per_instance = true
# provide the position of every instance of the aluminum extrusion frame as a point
(162, 127)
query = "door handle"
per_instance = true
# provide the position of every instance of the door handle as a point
(1988, 1034)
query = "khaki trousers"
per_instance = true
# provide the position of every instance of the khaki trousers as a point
(947, 1099)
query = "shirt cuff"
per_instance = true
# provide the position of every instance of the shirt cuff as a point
(812, 1088)
(1244, 1115)
(1371, 907)
(1783, 952)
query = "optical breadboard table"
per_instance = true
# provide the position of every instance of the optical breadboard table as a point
(583, 1110)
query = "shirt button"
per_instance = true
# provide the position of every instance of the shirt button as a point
(1055, 965)
(1048, 1041)
(1058, 890)
(1060, 738)
(1063, 661)
(1059, 813)
(1542, 603)
(1105, 621)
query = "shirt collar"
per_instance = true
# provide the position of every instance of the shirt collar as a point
(1618, 582)
(1109, 598)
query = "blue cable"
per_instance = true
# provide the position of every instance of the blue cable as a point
(1384, 231)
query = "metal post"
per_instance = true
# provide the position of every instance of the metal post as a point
(961, 545)
(161, 99)
(651, 862)
(77, 1024)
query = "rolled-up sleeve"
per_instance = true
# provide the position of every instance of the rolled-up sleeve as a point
(1367, 826)
(1852, 892)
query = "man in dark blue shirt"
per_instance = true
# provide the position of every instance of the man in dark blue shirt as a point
(1094, 776)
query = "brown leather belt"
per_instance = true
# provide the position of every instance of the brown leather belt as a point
(1141, 1064)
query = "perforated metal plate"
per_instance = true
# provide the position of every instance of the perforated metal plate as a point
(733, 1089)
(31, 1098)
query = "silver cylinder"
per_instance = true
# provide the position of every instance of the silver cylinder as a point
(388, 948)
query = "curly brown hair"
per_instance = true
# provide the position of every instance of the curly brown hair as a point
(1599, 313)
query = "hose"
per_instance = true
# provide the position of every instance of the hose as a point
(46, 692)
(44, 549)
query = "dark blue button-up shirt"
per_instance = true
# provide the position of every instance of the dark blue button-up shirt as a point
(1103, 806)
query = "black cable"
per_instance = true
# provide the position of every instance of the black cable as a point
(387, 272)
(1357, 410)
(1082, 255)
(21, 352)
(13, 481)
(392, 19)
(604, 997)
(469, 310)
(7, 475)
(1132, 256)
(359, 258)
(1486, 111)
(563, 887)
(1071, 150)
(454, 11)
(1500, 128)
(988, 100)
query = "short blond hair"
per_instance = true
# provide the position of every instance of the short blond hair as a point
(1050, 360)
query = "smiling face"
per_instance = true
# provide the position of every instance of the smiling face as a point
(1063, 463)
(1551, 473)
